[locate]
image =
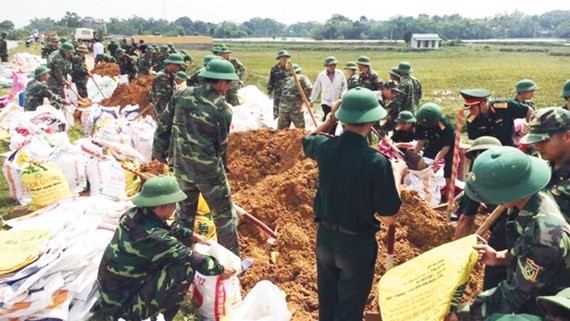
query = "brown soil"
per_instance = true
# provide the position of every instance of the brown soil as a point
(110, 69)
(135, 93)
(154, 168)
(272, 180)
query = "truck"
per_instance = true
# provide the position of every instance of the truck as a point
(84, 34)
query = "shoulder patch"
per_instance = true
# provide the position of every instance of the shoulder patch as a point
(531, 270)
(441, 125)
(501, 105)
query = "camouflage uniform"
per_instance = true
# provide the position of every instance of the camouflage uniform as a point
(418, 91)
(291, 103)
(104, 58)
(145, 63)
(194, 80)
(158, 63)
(352, 81)
(148, 267)
(277, 76)
(3, 50)
(370, 80)
(559, 188)
(161, 92)
(60, 68)
(231, 95)
(537, 263)
(112, 47)
(47, 50)
(36, 91)
(79, 74)
(128, 66)
(405, 99)
(193, 132)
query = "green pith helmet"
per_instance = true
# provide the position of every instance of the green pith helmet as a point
(181, 75)
(164, 48)
(220, 69)
(392, 85)
(359, 106)
(282, 53)
(395, 72)
(526, 85)
(404, 67)
(513, 317)
(174, 59)
(297, 68)
(405, 116)
(149, 49)
(428, 115)
(216, 49)
(561, 300)
(351, 65)
(482, 144)
(40, 71)
(330, 60)
(171, 46)
(62, 39)
(506, 174)
(363, 60)
(565, 89)
(67, 47)
(225, 49)
(81, 48)
(209, 58)
(545, 122)
(159, 190)
(120, 51)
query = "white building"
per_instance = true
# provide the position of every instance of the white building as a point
(425, 41)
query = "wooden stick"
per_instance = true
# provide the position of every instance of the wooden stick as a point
(390, 246)
(302, 92)
(490, 220)
(455, 164)
(98, 88)
(256, 221)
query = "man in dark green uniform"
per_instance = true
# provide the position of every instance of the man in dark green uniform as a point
(51, 46)
(406, 99)
(277, 76)
(232, 95)
(390, 94)
(492, 118)
(112, 47)
(368, 78)
(104, 58)
(145, 62)
(525, 89)
(60, 66)
(405, 129)
(395, 74)
(163, 84)
(538, 255)
(79, 72)
(354, 183)
(550, 136)
(351, 77)
(126, 64)
(194, 79)
(148, 266)
(37, 90)
(566, 94)
(556, 307)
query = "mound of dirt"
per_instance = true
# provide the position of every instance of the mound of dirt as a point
(110, 69)
(273, 181)
(135, 93)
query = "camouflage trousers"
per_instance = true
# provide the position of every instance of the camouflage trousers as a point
(276, 102)
(219, 199)
(287, 117)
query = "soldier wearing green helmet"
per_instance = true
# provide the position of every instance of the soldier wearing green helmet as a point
(160, 57)
(556, 307)
(112, 47)
(37, 89)
(566, 94)
(194, 80)
(79, 71)
(192, 133)
(525, 89)
(388, 99)
(49, 47)
(405, 129)
(351, 77)
(232, 97)
(538, 237)
(406, 100)
(394, 74)
(149, 265)
(126, 63)
(355, 182)
(279, 72)
(163, 84)
(291, 102)
(368, 78)
(60, 65)
(3, 47)
(146, 61)
(180, 78)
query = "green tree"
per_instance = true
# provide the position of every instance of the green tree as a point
(70, 20)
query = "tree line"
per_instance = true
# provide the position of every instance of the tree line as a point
(450, 27)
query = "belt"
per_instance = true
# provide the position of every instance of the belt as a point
(338, 228)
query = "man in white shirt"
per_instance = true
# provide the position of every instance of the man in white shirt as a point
(98, 48)
(331, 85)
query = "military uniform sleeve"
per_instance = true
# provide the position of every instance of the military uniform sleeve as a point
(316, 89)
(307, 86)
(241, 72)
(448, 135)
(163, 132)
(54, 99)
(271, 83)
(517, 109)
(386, 201)
(469, 206)
(472, 131)
(313, 144)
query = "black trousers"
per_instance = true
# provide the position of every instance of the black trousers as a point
(327, 110)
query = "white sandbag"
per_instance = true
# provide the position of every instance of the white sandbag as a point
(73, 162)
(121, 152)
(265, 302)
(130, 112)
(216, 298)
(106, 84)
(143, 136)
(11, 168)
(427, 183)
(106, 178)
(11, 116)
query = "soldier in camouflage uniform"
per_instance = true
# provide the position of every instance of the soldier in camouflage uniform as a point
(3, 48)
(127, 64)
(60, 66)
(550, 136)
(390, 94)
(159, 58)
(37, 90)
(112, 47)
(277, 76)
(193, 134)
(394, 74)
(194, 80)
(566, 94)
(51, 46)
(79, 72)
(148, 266)
(231, 96)
(163, 84)
(525, 91)
(351, 77)
(405, 100)
(368, 78)
(291, 102)
(145, 62)
(418, 90)
(171, 48)
(104, 58)
(538, 237)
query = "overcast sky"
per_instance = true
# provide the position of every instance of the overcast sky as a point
(287, 11)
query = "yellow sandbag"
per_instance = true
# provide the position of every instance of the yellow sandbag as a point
(20, 248)
(46, 183)
(203, 208)
(204, 225)
(133, 182)
(423, 288)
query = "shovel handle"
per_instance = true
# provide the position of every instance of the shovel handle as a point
(256, 221)
(390, 246)
(302, 92)
(490, 220)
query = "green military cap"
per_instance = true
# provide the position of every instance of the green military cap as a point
(282, 53)
(405, 67)
(219, 69)
(119, 51)
(209, 58)
(159, 190)
(149, 49)
(405, 116)
(174, 59)
(506, 174)
(62, 39)
(216, 49)
(482, 144)
(429, 114)
(225, 49)
(513, 317)
(67, 47)
(392, 85)
(163, 48)
(113, 41)
(52, 39)
(395, 72)
(170, 45)
(359, 106)
(475, 93)
(330, 60)
(81, 48)
(40, 71)
(181, 75)
(545, 122)
(155, 46)
(565, 89)
(526, 85)
(351, 65)
(561, 300)
(297, 68)
(363, 60)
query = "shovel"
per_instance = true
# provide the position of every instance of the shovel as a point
(256, 221)
(390, 246)
(98, 88)
(81, 102)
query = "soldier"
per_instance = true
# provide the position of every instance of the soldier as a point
(405, 129)
(148, 266)
(436, 134)
(354, 183)
(3, 47)
(232, 97)
(418, 90)
(37, 89)
(277, 76)
(368, 78)
(160, 58)
(352, 79)
(566, 94)
(538, 236)
(194, 80)
(187, 59)
(79, 73)
(291, 102)
(180, 79)
(60, 66)
(556, 307)
(550, 136)
(163, 84)
(104, 58)
(145, 62)
(171, 48)
(50, 47)
(492, 118)
(216, 50)
(112, 47)
(405, 100)
(390, 94)
(525, 91)
(128, 49)
(330, 85)
(395, 74)
(193, 132)
(126, 63)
